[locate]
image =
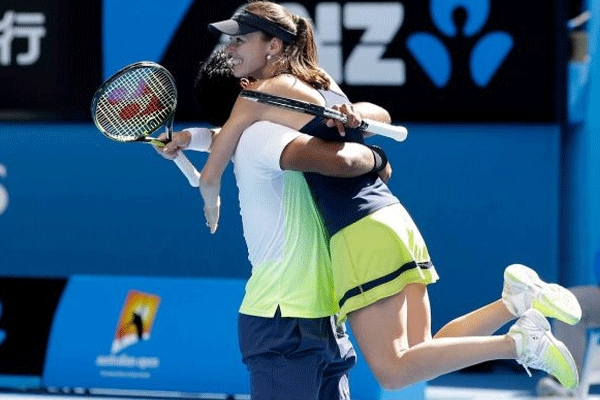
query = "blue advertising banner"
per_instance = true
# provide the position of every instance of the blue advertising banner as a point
(140, 333)
(425, 61)
(50, 59)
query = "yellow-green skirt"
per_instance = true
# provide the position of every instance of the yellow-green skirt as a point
(376, 257)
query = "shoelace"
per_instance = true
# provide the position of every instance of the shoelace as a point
(529, 359)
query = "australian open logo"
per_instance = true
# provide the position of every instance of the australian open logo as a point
(134, 326)
(460, 35)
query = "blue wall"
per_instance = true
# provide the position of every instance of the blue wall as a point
(78, 203)
(581, 169)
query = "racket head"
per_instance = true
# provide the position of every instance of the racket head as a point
(135, 102)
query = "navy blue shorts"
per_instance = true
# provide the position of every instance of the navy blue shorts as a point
(296, 358)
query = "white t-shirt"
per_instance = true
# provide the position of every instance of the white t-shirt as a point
(287, 242)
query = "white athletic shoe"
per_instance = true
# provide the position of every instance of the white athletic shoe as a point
(537, 348)
(523, 289)
(549, 387)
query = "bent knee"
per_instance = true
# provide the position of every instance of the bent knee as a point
(389, 373)
(390, 381)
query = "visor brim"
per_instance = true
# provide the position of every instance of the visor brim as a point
(231, 27)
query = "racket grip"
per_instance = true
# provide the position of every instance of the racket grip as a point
(398, 133)
(190, 172)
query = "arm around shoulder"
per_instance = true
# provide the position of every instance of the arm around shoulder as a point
(340, 159)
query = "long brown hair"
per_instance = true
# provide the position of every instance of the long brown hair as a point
(300, 58)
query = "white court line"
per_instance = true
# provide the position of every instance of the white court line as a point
(457, 393)
(454, 393)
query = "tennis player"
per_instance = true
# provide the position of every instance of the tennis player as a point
(290, 341)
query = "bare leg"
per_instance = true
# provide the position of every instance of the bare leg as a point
(419, 314)
(381, 331)
(483, 321)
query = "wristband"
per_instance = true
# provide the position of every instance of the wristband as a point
(201, 139)
(380, 157)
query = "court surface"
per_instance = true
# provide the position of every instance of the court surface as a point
(497, 384)
(433, 393)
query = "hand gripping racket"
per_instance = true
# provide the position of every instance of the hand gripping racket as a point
(135, 102)
(398, 133)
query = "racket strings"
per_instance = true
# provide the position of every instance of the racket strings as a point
(136, 103)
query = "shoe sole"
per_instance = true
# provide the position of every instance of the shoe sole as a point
(561, 351)
(557, 352)
(564, 306)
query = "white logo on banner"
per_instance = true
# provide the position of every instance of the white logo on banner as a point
(3, 192)
(24, 25)
(365, 64)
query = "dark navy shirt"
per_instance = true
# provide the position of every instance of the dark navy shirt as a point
(343, 201)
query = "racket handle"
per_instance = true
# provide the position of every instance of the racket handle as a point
(398, 133)
(184, 164)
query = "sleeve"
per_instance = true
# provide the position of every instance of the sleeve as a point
(267, 141)
(201, 139)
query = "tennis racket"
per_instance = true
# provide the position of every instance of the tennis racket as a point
(135, 102)
(398, 133)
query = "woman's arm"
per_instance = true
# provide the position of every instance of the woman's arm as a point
(339, 159)
(197, 139)
(243, 114)
(221, 150)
